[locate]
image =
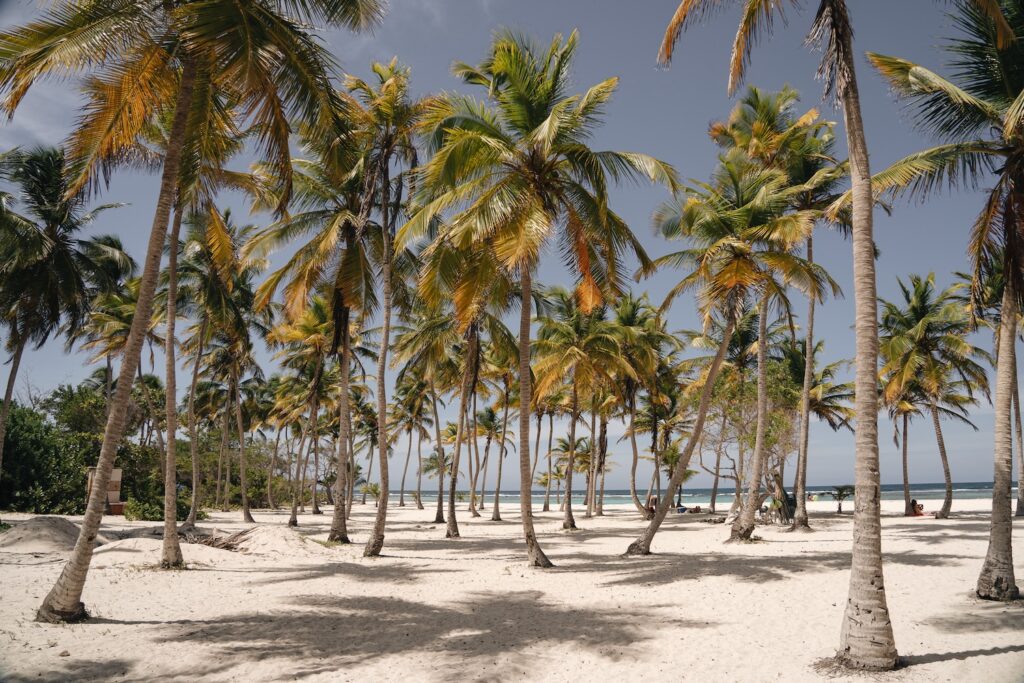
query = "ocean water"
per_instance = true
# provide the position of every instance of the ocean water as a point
(702, 496)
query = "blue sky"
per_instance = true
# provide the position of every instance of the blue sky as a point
(656, 111)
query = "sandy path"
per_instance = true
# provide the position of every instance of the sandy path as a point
(469, 610)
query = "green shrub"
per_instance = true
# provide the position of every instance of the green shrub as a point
(135, 510)
(153, 511)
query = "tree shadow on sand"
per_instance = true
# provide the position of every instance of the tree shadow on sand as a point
(663, 569)
(488, 635)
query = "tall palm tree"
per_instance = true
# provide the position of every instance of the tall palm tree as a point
(766, 127)
(866, 640)
(926, 353)
(977, 118)
(154, 57)
(521, 168)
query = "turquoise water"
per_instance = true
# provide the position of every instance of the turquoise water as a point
(702, 496)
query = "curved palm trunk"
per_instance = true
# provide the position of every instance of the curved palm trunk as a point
(474, 461)
(1020, 442)
(193, 431)
(270, 471)
(996, 581)
(64, 601)
(19, 349)
(743, 527)
(487, 455)
(405, 470)
(339, 523)
(535, 555)
(908, 506)
(242, 475)
(866, 640)
(452, 530)
(603, 455)
(636, 459)
(800, 520)
(642, 545)
(170, 552)
(376, 540)
(568, 521)
(496, 511)
(947, 502)
(714, 486)
(439, 447)
(547, 486)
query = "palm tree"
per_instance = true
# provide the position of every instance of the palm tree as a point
(154, 57)
(766, 127)
(521, 169)
(584, 348)
(641, 334)
(866, 640)
(926, 353)
(50, 275)
(977, 118)
(742, 235)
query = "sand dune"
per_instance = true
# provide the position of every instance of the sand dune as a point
(284, 606)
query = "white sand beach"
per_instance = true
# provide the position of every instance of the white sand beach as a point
(284, 607)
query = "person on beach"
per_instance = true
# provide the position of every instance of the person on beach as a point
(918, 508)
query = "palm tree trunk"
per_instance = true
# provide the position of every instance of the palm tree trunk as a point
(222, 494)
(314, 483)
(866, 640)
(452, 530)
(714, 486)
(496, 511)
(592, 465)
(369, 470)
(602, 451)
(947, 502)
(376, 540)
(908, 507)
(293, 517)
(226, 500)
(405, 470)
(636, 459)
(536, 448)
(487, 455)
(743, 527)
(193, 431)
(439, 447)
(170, 553)
(243, 479)
(547, 487)
(536, 556)
(108, 379)
(474, 461)
(19, 349)
(568, 521)
(339, 523)
(270, 471)
(1020, 441)
(642, 545)
(64, 601)
(996, 581)
(419, 470)
(800, 520)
